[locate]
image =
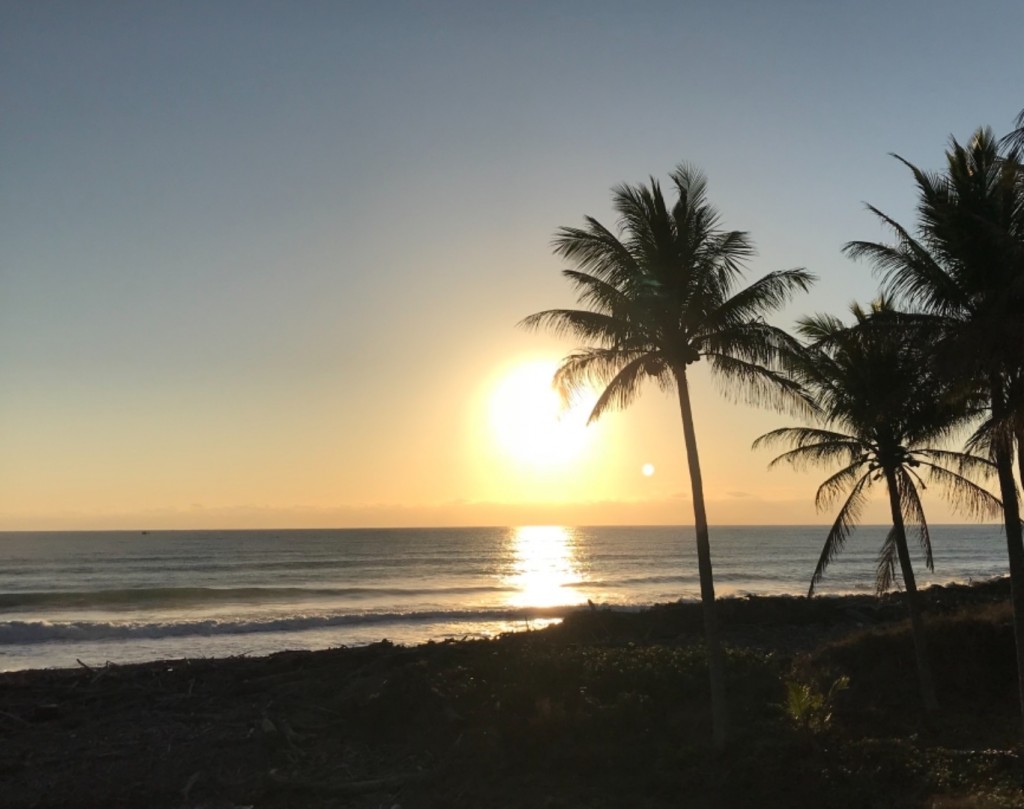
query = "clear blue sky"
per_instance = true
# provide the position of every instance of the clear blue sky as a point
(261, 262)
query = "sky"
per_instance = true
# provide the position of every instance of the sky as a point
(262, 263)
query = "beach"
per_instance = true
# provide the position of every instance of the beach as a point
(608, 708)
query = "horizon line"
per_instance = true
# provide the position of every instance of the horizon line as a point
(141, 530)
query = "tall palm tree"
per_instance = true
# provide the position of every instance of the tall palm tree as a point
(880, 406)
(658, 297)
(964, 269)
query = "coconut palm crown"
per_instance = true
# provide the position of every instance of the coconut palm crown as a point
(658, 296)
(882, 405)
(661, 295)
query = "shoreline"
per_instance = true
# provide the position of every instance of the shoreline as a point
(607, 708)
(488, 623)
(491, 623)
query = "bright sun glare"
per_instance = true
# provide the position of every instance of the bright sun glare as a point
(530, 422)
(544, 567)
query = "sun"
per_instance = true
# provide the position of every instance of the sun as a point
(529, 421)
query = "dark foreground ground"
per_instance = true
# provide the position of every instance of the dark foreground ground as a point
(607, 710)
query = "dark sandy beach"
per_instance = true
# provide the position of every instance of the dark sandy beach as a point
(608, 709)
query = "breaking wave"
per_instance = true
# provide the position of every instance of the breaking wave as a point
(142, 597)
(32, 632)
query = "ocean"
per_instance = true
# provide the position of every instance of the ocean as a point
(127, 597)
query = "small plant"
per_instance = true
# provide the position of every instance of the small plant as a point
(808, 707)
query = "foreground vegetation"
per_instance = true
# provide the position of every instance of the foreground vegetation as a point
(608, 709)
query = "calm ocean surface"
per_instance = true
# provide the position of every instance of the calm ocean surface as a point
(127, 597)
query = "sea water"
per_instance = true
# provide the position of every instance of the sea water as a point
(134, 596)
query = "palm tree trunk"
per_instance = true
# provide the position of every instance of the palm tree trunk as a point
(924, 669)
(716, 659)
(1019, 440)
(1003, 453)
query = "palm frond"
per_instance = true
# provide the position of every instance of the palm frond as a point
(966, 496)
(993, 431)
(802, 436)
(814, 447)
(767, 294)
(753, 340)
(913, 514)
(643, 219)
(965, 463)
(909, 269)
(582, 323)
(622, 389)
(594, 367)
(617, 373)
(815, 455)
(885, 564)
(731, 249)
(607, 298)
(980, 441)
(838, 483)
(692, 187)
(1015, 139)
(820, 328)
(843, 526)
(596, 250)
(754, 384)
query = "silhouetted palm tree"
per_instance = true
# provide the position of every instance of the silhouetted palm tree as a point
(965, 270)
(881, 406)
(658, 297)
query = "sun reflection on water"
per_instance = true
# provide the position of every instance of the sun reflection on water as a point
(544, 567)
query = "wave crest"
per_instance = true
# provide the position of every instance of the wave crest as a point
(31, 632)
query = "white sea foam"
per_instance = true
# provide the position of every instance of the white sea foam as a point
(28, 632)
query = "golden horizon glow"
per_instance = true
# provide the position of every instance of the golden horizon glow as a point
(531, 424)
(544, 567)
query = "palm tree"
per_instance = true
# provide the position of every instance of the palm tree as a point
(881, 406)
(658, 297)
(964, 270)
